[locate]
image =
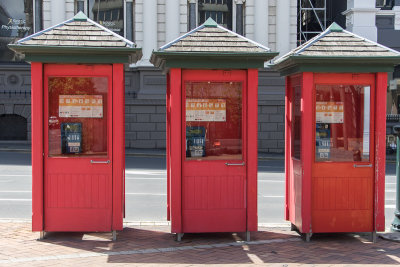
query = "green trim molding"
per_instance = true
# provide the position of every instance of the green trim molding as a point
(67, 54)
(340, 64)
(207, 60)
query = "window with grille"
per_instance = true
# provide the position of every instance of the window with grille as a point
(385, 4)
(218, 10)
(109, 13)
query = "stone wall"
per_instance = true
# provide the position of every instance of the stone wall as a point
(15, 92)
(145, 119)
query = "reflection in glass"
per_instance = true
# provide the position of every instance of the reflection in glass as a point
(16, 22)
(342, 115)
(213, 120)
(77, 116)
(109, 13)
(296, 122)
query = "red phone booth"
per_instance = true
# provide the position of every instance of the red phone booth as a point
(212, 81)
(78, 157)
(335, 133)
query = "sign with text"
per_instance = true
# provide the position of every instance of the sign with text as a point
(205, 109)
(80, 106)
(329, 112)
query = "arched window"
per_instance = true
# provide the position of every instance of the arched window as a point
(13, 127)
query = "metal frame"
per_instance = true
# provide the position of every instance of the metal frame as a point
(304, 35)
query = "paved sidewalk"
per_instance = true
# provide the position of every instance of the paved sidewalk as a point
(154, 245)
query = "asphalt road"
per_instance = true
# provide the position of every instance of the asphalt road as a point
(146, 188)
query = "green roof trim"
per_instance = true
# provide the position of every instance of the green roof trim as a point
(202, 60)
(210, 23)
(335, 27)
(326, 64)
(80, 16)
(103, 54)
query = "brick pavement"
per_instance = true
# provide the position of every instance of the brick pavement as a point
(154, 245)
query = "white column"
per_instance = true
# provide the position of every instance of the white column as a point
(149, 30)
(360, 18)
(261, 14)
(172, 23)
(58, 12)
(283, 26)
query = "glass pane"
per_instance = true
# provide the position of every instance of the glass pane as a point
(213, 120)
(108, 13)
(78, 116)
(296, 122)
(16, 22)
(218, 10)
(342, 123)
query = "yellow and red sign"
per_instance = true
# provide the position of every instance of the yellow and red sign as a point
(205, 109)
(80, 106)
(329, 112)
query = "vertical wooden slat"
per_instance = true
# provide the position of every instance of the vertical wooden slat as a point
(380, 148)
(37, 145)
(306, 148)
(252, 155)
(287, 147)
(168, 120)
(117, 135)
(176, 149)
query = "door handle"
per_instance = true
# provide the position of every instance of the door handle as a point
(99, 162)
(234, 164)
(362, 166)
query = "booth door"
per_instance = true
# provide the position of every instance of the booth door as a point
(214, 156)
(78, 148)
(343, 168)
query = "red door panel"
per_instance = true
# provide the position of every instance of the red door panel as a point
(214, 151)
(343, 165)
(78, 148)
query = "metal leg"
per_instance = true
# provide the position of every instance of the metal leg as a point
(41, 235)
(373, 237)
(114, 235)
(248, 236)
(179, 236)
(308, 237)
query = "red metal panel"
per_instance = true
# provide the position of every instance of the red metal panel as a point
(380, 148)
(306, 144)
(213, 193)
(37, 145)
(287, 145)
(168, 120)
(252, 137)
(342, 195)
(78, 194)
(176, 149)
(118, 147)
(294, 165)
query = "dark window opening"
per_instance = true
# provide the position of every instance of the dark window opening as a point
(13, 127)
(385, 4)
(110, 14)
(218, 10)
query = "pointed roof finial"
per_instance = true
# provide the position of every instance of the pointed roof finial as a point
(335, 27)
(210, 23)
(80, 16)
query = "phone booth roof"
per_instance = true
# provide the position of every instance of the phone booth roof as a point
(211, 46)
(77, 40)
(340, 51)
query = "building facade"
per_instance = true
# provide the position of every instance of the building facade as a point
(152, 23)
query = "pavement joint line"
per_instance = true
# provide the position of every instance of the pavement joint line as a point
(147, 251)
